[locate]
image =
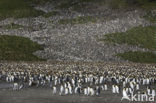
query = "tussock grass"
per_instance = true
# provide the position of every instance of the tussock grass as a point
(114, 4)
(53, 13)
(17, 9)
(12, 26)
(144, 37)
(138, 56)
(14, 48)
(78, 20)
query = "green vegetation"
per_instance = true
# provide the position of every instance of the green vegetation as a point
(78, 4)
(22, 8)
(12, 26)
(114, 4)
(78, 20)
(147, 4)
(14, 48)
(144, 37)
(150, 17)
(17, 9)
(117, 4)
(39, 2)
(53, 13)
(137, 56)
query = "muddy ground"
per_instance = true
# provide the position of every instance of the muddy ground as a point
(45, 95)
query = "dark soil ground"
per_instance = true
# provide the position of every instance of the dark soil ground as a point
(45, 95)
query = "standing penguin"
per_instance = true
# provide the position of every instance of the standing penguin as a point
(79, 90)
(70, 89)
(101, 79)
(66, 91)
(92, 92)
(30, 82)
(73, 82)
(98, 90)
(54, 90)
(116, 89)
(105, 87)
(137, 87)
(102, 87)
(124, 95)
(148, 91)
(15, 86)
(75, 90)
(153, 92)
(113, 89)
(61, 90)
(85, 91)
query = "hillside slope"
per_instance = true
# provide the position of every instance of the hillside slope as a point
(71, 33)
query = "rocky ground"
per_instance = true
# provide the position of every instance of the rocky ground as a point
(77, 42)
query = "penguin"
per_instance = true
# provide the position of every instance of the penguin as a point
(61, 90)
(20, 87)
(98, 90)
(66, 91)
(30, 82)
(79, 90)
(124, 95)
(101, 79)
(73, 82)
(85, 91)
(92, 92)
(124, 84)
(102, 87)
(153, 93)
(130, 90)
(117, 89)
(132, 85)
(55, 81)
(137, 87)
(70, 89)
(15, 86)
(54, 90)
(148, 91)
(88, 89)
(75, 90)
(105, 86)
(113, 89)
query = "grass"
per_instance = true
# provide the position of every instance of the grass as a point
(39, 2)
(138, 56)
(64, 4)
(17, 9)
(12, 26)
(14, 48)
(53, 13)
(117, 4)
(78, 20)
(150, 17)
(147, 5)
(144, 37)
(78, 4)
(114, 4)
(22, 8)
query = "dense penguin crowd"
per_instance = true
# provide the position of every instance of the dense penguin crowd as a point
(89, 80)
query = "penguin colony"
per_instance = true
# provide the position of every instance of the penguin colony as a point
(82, 79)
